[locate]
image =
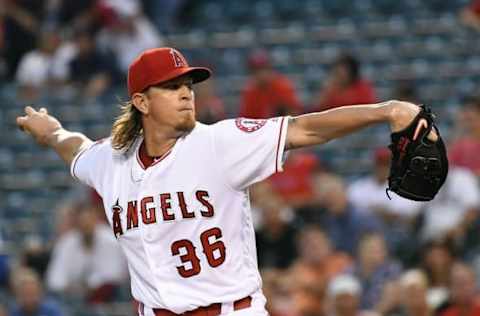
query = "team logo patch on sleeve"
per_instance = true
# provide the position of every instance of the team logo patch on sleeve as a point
(249, 125)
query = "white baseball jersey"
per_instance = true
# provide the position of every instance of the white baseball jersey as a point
(184, 222)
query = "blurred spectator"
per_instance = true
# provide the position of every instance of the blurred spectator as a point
(277, 287)
(410, 296)
(414, 298)
(165, 13)
(76, 14)
(65, 217)
(374, 268)
(294, 184)
(463, 293)
(29, 296)
(257, 194)
(127, 32)
(78, 260)
(406, 91)
(318, 261)
(22, 20)
(468, 241)
(460, 151)
(5, 261)
(43, 67)
(437, 260)
(35, 255)
(308, 298)
(454, 209)
(3, 45)
(209, 108)
(90, 71)
(267, 93)
(344, 293)
(367, 194)
(470, 15)
(276, 237)
(344, 86)
(343, 222)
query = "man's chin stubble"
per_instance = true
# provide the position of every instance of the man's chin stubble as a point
(186, 126)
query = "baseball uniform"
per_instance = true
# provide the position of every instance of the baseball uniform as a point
(184, 221)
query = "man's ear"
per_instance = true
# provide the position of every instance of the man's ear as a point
(140, 101)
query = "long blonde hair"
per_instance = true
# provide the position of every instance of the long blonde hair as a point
(127, 127)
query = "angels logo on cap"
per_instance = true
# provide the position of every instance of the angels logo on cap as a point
(249, 125)
(177, 59)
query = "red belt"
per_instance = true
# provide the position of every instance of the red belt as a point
(210, 310)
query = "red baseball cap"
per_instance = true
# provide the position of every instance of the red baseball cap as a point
(158, 65)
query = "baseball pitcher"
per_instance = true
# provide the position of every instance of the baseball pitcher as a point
(176, 191)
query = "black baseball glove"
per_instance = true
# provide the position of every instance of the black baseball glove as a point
(419, 165)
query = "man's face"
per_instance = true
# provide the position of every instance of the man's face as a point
(49, 43)
(414, 296)
(346, 304)
(87, 221)
(373, 251)
(262, 75)
(85, 44)
(314, 247)
(471, 117)
(462, 285)
(341, 74)
(171, 104)
(29, 295)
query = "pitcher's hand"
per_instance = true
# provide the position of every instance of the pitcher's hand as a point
(402, 114)
(39, 124)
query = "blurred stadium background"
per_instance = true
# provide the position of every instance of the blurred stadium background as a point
(330, 243)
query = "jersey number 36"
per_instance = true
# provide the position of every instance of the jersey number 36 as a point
(191, 262)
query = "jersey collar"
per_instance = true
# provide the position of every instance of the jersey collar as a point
(145, 161)
(141, 162)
